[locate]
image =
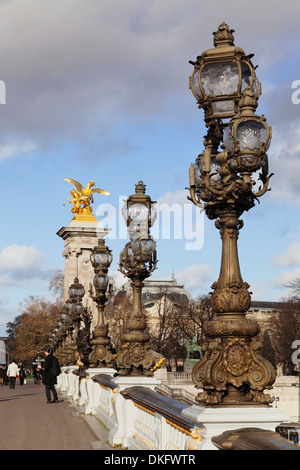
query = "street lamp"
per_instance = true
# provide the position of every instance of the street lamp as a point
(137, 262)
(101, 259)
(221, 75)
(232, 372)
(76, 310)
(59, 340)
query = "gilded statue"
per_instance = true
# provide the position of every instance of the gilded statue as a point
(82, 198)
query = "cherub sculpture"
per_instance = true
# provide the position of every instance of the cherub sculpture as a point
(82, 198)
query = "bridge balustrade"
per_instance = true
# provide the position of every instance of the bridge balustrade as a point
(140, 418)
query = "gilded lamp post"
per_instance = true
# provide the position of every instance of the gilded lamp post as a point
(232, 371)
(101, 259)
(137, 262)
(76, 312)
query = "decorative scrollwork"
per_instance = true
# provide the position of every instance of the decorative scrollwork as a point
(232, 372)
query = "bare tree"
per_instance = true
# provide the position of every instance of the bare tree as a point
(30, 330)
(56, 284)
(33, 327)
(286, 329)
(294, 285)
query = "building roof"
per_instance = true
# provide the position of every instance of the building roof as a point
(262, 304)
(154, 289)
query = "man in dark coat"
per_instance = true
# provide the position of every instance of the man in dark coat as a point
(2, 375)
(49, 379)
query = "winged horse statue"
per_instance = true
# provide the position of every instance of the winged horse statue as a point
(82, 198)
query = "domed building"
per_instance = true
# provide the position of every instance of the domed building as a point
(159, 298)
(155, 290)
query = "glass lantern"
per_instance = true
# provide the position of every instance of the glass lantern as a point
(214, 170)
(247, 137)
(78, 308)
(143, 248)
(100, 282)
(221, 75)
(101, 256)
(139, 213)
(76, 289)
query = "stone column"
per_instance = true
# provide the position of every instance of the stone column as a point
(80, 237)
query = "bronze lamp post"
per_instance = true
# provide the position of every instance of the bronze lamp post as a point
(60, 341)
(137, 262)
(101, 259)
(232, 372)
(75, 307)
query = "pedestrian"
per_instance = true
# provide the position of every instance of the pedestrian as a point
(22, 374)
(37, 374)
(49, 377)
(12, 373)
(2, 375)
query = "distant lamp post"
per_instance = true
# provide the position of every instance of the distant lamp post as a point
(137, 262)
(60, 342)
(101, 259)
(276, 399)
(232, 372)
(75, 307)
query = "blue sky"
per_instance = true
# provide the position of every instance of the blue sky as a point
(99, 90)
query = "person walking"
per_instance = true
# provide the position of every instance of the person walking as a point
(12, 373)
(37, 373)
(49, 377)
(22, 374)
(2, 375)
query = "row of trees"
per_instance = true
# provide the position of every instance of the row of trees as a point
(176, 322)
(173, 323)
(286, 331)
(28, 333)
(169, 326)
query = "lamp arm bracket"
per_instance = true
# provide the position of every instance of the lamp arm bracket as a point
(264, 189)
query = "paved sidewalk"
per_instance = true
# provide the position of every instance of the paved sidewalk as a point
(27, 422)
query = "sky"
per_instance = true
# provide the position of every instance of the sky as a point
(98, 89)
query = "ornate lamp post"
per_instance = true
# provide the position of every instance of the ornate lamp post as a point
(232, 372)
(137, 262)
(221, 75)
(76, 293)
(101, 259)
(60, 340)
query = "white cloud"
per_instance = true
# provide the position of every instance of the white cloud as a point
(258, 292)
(118, 278)
(88, 65)
(285, 278)
(20, 257)
(177, 197)
(14, 149)
(24, 267)
(290, 258)
(284, 161)
(196, 278)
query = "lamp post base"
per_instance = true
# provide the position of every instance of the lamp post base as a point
(212, 422)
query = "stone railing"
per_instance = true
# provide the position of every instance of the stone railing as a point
(138, 417)
(94, 392)
(179, 377)
(158, 423)
(177, 393)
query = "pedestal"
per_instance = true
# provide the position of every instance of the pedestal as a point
(80, 238)
(134, 381)
(214, 421)
(124, 410)
(189, 365)
(91, 388)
